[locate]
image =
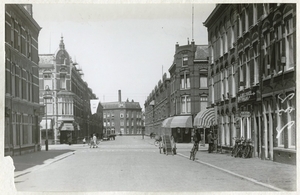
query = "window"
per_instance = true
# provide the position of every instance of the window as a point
(246, 20)
(289, 44)
(212, 53)
(241, 73)
(212, 90)
(278, 48)
(248, 68)
(256, 69)
(122, 123)
(203, 81)
(226, 89)
(232, 36)
(47, 81)
(185, 104)
(63, 81)
(233, 82)
(267, 68)
(184, 60)
(240, 26)
(254, 13)
(266, 8)
(203, 103)
(185, 81)
(121, 115)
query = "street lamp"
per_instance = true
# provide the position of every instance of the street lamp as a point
(47, 95)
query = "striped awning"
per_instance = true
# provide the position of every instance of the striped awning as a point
(178, 122)
(181, 122)
(205, 118)
(166, 123)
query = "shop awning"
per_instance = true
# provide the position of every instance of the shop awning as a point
(166, 123)
(67, 127)
(181, 122)
(43, 124)
(204, 118)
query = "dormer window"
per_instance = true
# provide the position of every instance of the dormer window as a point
(184, 60)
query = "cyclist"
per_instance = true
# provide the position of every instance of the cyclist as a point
(197, 138)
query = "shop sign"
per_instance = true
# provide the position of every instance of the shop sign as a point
(245, 114)
(249, 95)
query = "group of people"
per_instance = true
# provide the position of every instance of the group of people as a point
(93, 141)
(210, 140)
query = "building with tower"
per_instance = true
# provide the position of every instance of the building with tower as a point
(68, 110)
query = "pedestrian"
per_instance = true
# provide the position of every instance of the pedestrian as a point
(95, 141)
(91, 142)
(84, 141)
(197, 137)
(210, 140)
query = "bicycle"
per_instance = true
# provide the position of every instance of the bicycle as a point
(247, 153)
(240, 148)
(194, 151)
(235, 147)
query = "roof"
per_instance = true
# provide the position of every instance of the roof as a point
(119, 105)
(201, 52)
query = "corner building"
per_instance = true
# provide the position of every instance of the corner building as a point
(174, 103)
(22, 109)
(122, 117)
(252, 76)
(68, 110)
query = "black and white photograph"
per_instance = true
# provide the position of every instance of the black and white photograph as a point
(150, 97)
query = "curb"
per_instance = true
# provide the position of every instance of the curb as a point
(46, 163)
(235, 174)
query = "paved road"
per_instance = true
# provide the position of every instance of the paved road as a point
(129, 164)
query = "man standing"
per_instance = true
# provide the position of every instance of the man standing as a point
(210, 140)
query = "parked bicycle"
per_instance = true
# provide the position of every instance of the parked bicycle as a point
(242, 148)
(194, 151)
(236, 146)
(248, 149)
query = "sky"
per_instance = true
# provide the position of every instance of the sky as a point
(125, 47)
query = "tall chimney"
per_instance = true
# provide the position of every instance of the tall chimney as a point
(120, 96)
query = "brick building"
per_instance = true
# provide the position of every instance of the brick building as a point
(175, 102)
(122, 117)
(252, 76)
(21, 80)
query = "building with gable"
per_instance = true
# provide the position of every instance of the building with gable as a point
(175, 102)
(68, 110)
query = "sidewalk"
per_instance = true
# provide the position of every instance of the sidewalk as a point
(276, 176)
(28, 162)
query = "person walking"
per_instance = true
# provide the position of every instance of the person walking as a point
(197, 137)
(210, 140)
(84, 141)
(95, 141)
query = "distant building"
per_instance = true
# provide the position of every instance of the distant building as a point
(69, 116)
(122, 117)
(175, 102)
(22, 108)
(252, 76)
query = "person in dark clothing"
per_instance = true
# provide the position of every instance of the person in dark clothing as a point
(210, 140)
(197, 137)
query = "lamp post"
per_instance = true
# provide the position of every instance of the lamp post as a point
(47, 95)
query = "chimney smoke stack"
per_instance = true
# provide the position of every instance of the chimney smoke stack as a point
(120, 99)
